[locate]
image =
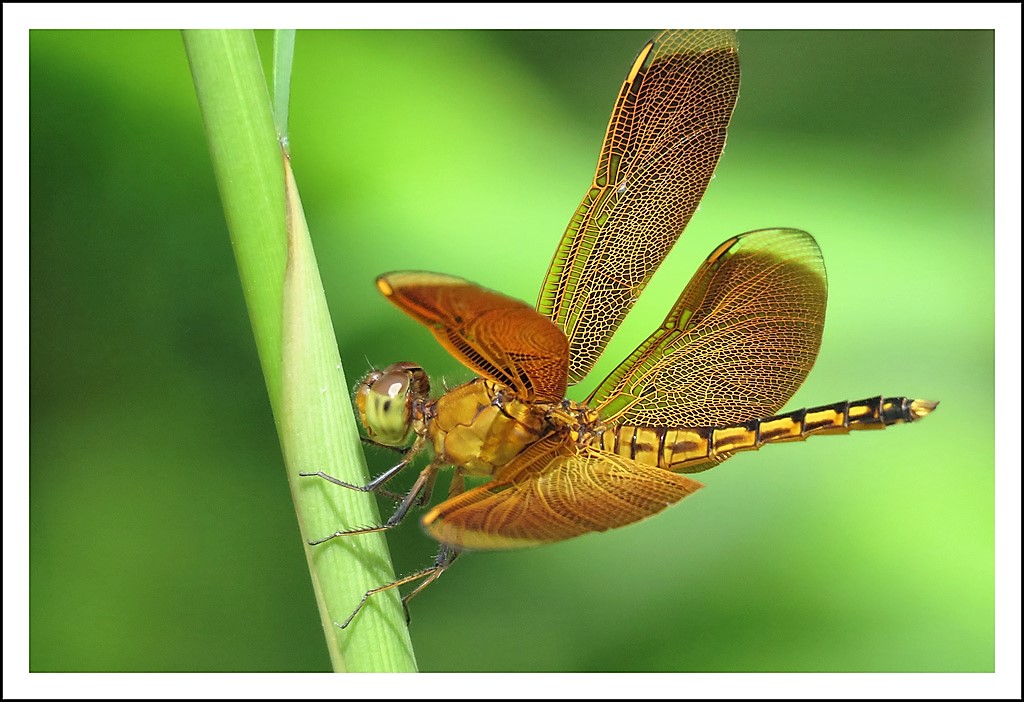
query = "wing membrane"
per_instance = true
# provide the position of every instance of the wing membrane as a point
(551, 493)
(666, 133)
(494, 335)
(738, 343)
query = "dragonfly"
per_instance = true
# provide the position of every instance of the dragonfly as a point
(706, 384)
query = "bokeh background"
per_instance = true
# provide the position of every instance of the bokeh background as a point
(162, 535)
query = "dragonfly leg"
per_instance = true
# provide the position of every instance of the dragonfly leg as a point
(445, 556)
(423, 482)
(375, 484)
(458, 483)
(428, 489)
(396, 496)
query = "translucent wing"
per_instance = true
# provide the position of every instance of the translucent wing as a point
(550, 493)
(666, 133)
(494, 335)
(737, 344)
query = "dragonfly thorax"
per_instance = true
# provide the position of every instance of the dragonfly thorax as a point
(583, 424)
(386, 401)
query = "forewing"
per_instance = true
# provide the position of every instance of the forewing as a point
(737, 344)
(550, 493)
(494, 335)
(666, 133)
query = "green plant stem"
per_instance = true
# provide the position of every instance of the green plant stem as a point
(284, 53)
(295, 341)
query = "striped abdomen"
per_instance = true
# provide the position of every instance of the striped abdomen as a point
(693, 449)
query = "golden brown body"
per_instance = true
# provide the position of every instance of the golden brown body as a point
(475, 427)
(694, 449)
(480, 427)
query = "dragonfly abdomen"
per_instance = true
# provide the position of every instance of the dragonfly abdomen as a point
(693, 449)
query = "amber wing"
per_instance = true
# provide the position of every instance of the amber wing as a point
(552, 492)
(494, 335)
(737, 344)
(663, 142)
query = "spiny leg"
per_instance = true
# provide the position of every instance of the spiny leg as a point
(384, 492)
(445, 557)
(428, 489)
(423, 482)
(375, 484)
(457, 484)
(396, 496)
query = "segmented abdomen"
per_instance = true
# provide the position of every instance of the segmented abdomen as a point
(693, 449)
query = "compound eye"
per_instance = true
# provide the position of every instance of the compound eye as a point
(391, 384)
(385, 407)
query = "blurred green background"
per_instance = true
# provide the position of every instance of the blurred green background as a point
(162, 533)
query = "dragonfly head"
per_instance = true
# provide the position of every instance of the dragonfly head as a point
(385, 400)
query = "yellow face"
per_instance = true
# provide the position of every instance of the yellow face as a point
(385, 401)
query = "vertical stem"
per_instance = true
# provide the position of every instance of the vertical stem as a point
(298, 353)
